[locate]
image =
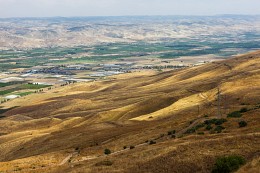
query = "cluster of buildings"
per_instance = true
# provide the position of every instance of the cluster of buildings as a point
(65, 73)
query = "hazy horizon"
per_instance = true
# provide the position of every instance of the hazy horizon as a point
(103, 8)
(46, 17)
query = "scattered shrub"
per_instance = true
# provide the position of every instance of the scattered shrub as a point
(215, 121)
(191, 130)
(172, 132)
(243, 110)
(107, 151)
(173, 136)
(152, 142)
(17, 169)
(125, 147)
(209, 122)
(228, 164)
(220, 121)
(199, 126)
(209, 127)
(201, 133)
(219, 129)
(132, 147)
(242, 124)
(235, 114)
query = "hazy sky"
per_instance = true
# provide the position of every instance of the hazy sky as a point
(47, 8)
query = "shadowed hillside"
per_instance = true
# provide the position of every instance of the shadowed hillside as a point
(67, 129)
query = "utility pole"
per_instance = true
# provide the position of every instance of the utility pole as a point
(219, 111)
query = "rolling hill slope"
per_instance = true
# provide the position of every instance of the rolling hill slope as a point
(67, 129)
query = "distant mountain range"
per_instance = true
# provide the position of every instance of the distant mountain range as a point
(24, 33)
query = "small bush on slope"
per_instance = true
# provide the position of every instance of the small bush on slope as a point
(107, 151)
(242, 124)
(228, 164)
(235, 114)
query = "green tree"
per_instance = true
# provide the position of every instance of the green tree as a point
(107, 151)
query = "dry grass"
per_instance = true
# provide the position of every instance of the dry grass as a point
(130, 110)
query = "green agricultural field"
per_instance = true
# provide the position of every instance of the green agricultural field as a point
(10, 83)
(23, 93)
(5, 67)
(7, 91)
(24, 87)
(4, 84)
(114, 51)
(33, 86)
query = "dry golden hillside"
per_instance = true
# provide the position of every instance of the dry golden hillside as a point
(67, 129)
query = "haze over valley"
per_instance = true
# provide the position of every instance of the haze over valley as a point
(130, 94)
